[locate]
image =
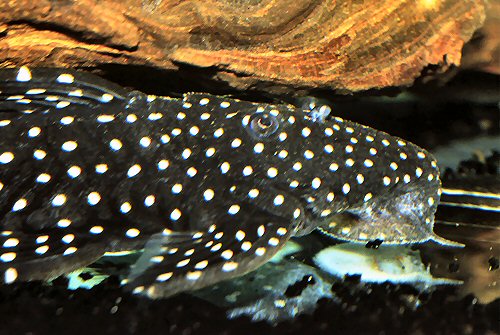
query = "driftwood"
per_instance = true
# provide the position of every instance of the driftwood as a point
(272, 45)
(483, 52)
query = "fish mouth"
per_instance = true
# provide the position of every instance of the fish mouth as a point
(394, 219)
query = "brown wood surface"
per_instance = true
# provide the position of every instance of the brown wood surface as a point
(483, 52)
(273, 45)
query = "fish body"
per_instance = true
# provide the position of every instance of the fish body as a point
(206, 187)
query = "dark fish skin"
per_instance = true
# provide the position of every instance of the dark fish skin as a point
(209, 187)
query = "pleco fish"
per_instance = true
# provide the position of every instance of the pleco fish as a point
(208, 188)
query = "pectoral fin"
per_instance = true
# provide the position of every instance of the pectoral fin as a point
(238, 240)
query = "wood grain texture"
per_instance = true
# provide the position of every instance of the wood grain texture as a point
(278, 46)
(483, 52)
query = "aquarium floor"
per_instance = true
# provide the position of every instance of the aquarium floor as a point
(372, 309)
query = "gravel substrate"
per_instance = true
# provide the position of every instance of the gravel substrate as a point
(374, 309)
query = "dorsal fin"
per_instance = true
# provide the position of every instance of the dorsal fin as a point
(42, 88)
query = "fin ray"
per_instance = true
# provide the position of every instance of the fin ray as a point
(55, 88)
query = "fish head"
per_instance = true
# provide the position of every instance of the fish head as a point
(383, 186)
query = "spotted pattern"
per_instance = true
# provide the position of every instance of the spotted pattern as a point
(209, 187)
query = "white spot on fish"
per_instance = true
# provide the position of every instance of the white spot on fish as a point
(258, 148)
(62, 104)
(43, 178)
(272, 172)
(59, 200)
(229, 266)
(11, 243)
(10, 275)
(149, 200)
(208, 194)
(125, 207)
(176, 214)
(145, 142)
(101, 168)
(96, 230)
(115, 144)
(64, 223)
(65, 78)
(278, 200)
(8, 257)
(105, 118)
(24, 74)
(316, 183)
(163, 164)
(134, 170)
(6, 157)
(368, 163)
(177, 188)
(34, 132)
(132, 233)
(93, 198)
(67, 120)
(38, 154)
(308, 154)
(224, 168)
(234, 209)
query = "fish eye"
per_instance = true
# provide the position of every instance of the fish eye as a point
(263, 124)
